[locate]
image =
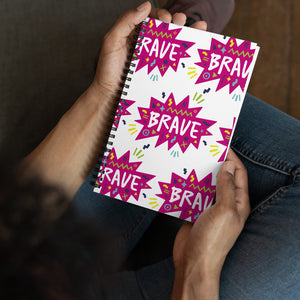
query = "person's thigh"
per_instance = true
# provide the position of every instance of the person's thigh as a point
(268, 142)
(127, 222)
(265, 255)
(151, 282)
(265, 261)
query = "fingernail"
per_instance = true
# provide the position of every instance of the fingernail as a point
(231, 170)
(142, 6)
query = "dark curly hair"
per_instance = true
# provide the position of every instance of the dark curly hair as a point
(42, 257)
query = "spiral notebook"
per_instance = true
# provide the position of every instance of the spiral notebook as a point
(175, 119)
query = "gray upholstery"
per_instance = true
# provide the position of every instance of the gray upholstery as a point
(48, 52)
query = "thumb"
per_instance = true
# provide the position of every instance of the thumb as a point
(232, 187)
(226, 187)
(127, 22)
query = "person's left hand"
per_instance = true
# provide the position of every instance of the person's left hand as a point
(66, 156)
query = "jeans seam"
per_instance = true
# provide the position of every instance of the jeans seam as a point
(139, 285)
(261, 207)
(296, 174)
(243, 150)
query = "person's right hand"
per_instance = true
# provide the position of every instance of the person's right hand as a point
(118, 41)
(200, 249)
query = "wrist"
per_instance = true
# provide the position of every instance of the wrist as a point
(101, 93)
(196, 281)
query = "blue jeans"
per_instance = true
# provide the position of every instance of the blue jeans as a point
(265, 261)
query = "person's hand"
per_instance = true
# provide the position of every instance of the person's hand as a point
(200, 249)
(117, 43)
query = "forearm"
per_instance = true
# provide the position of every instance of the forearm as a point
(66, 155)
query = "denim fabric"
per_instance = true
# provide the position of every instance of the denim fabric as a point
(127, 222)
(265, 261)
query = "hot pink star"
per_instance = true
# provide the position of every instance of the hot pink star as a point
(187, 195)
(173, 123)
(160, 47)
(121, 177)
(228, 63)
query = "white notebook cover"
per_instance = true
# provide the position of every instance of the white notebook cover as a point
(173, 128)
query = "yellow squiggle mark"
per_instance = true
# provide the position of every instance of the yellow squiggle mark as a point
(160, 34)
(120, 166)
(241, 53)
(203, 188)
(179, 112)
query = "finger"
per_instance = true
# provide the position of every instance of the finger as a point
(241, 184)
(241, 179)
(201, 25)
(225, 192)
(232, 156)
(127, 22)
(161, 14)
(179, 19)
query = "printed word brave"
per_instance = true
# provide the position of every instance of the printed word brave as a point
(192, 199)
(160, 50)
(174, 125)
(229, 66)
(121, 179)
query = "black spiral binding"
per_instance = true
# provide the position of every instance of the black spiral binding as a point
(124, 85)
